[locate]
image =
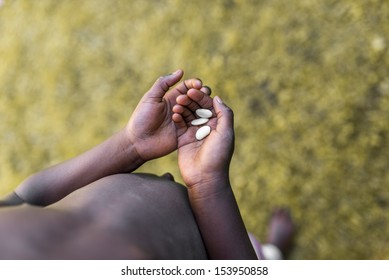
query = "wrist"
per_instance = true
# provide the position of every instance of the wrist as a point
(209, 186)
(132, 159)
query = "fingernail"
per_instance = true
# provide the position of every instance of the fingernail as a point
(218, 99)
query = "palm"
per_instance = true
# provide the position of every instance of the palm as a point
(153, 127)
(200, 159)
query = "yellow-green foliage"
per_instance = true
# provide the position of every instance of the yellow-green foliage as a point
(308, 81)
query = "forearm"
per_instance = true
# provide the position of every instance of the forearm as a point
(115, 155)
(219, 220)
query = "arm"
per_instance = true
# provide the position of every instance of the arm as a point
(115, 155)
(150, 133)
(204, 166)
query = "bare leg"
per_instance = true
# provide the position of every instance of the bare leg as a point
(281, 230)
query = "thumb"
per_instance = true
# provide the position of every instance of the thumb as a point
(225, 116)
(162, 84)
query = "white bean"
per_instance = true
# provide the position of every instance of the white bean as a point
(199, 121)
(203, 132)
(204, 113)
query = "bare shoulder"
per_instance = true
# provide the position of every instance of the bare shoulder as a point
(30, 232)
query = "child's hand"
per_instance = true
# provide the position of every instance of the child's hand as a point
(151, 129)
(207, 160)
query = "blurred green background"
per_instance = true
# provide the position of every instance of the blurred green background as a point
(308, 81)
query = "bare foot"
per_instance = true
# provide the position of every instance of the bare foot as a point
(281, 230)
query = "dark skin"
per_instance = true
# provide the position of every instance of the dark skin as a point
(93, 206)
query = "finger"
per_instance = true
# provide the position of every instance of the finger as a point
(202, 99)
(207, 90)
(187, 115)
(186, 85)
(184, 100)
(225, 116)
(162, 84)
(179, 122)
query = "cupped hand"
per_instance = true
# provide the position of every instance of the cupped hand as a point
(207, 160)
(150, 129)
